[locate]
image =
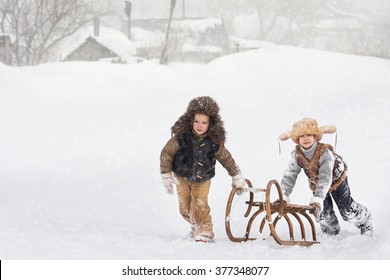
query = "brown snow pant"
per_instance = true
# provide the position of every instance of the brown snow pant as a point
(194, 207)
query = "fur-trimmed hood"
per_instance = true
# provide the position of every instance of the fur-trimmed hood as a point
(207, 106)
(306, 126)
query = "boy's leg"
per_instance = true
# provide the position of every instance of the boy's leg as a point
(184, 196)
(328, 221)
(352, 211)
(200, 210)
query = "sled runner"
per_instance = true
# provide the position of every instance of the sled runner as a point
(272, 213)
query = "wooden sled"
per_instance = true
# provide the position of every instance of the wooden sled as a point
(273, 213)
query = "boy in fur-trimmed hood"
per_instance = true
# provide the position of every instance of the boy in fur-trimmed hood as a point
(188, 160)
(327, 173)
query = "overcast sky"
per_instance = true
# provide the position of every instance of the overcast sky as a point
(204, 8)
(160, 8)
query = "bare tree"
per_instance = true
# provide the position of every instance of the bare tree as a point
(37, 25)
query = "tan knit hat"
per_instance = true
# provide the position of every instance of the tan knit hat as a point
(304, 127)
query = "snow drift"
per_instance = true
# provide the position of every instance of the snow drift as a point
(80, 145)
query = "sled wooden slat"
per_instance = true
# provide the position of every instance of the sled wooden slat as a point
(268, 210)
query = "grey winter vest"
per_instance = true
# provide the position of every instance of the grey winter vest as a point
(311, 167)
(195, 160)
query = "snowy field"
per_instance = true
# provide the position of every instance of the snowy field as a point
(80, 145)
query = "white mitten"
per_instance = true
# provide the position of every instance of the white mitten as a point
(317, 202)
(168, 181)
(239, 183)
(240, 191)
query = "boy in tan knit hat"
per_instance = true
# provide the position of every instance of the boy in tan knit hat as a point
(327, 173)
(188, 160)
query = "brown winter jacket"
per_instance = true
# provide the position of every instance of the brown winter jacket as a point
(172, 147)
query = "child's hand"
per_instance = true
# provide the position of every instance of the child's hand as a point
(240, 191)
(317, 203)
(238, 181)
(316, 211)
(168, 181)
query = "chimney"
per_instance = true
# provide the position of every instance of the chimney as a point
(96, 27)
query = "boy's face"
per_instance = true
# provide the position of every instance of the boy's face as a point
(201, 124)
(306, 141)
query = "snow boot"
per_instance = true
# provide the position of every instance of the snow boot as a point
(360, 217)
(204, 239)
(366, 228)
(329, 224)
(191, 234)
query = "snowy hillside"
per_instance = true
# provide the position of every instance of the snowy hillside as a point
(80, 145)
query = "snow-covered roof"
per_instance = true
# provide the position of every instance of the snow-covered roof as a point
(202, 31)
(110, 38)
(143, 38)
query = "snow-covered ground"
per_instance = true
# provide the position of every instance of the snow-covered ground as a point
(80, 145)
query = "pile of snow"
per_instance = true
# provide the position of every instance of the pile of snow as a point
(80, 145)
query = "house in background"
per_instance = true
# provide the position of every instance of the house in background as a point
(190, 39)
(198, 40)
(6, 55)
(149, 44)
(94, 43)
